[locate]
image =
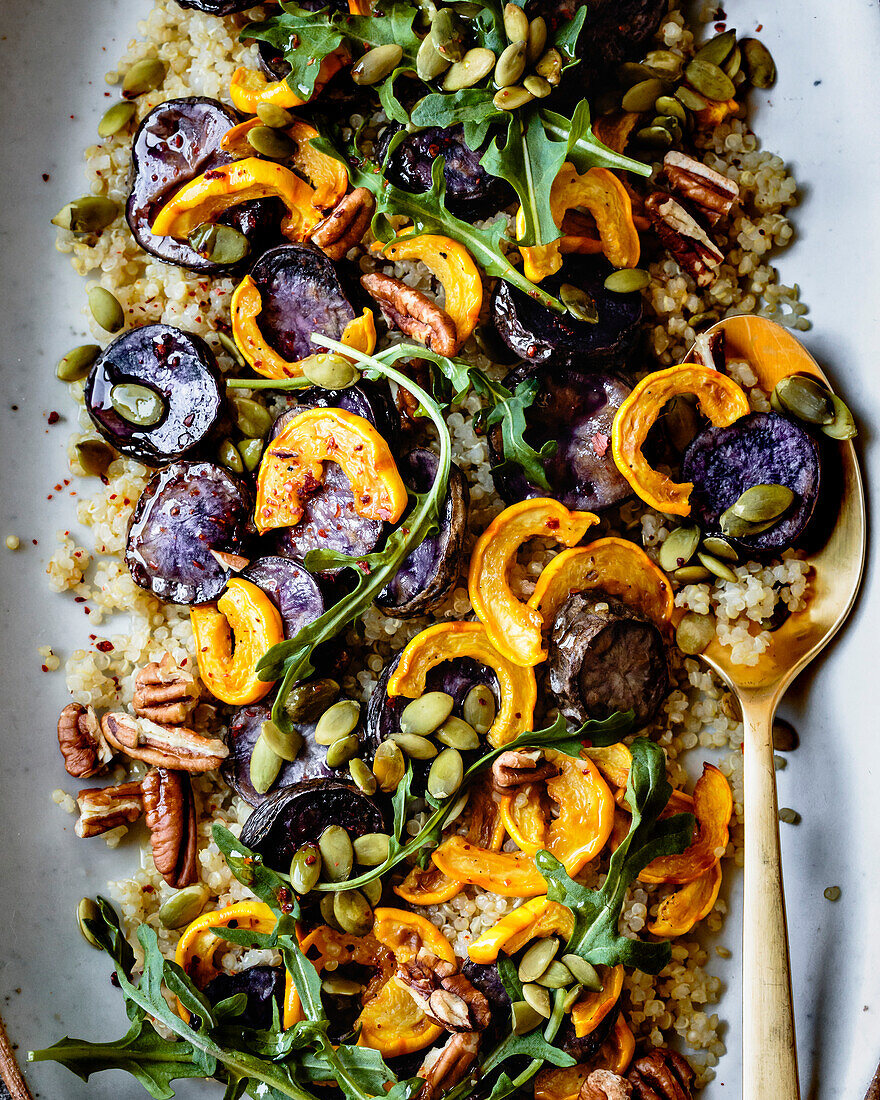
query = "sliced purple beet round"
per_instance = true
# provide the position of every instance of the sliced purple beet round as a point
(430, 572)
(298, 814)
(264, 988)
(371, 400)
(186, 511)
(575, 408)
(585, 1048)
(485, 977)
(177, 366)
(291, 587)
(758, 449)
(539, 335)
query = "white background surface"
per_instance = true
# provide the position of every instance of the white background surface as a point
(822, 117)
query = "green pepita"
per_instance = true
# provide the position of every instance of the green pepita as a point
(376, 64)
(694, 632)
(184, 905)
(538, 86)
(758, 63)
(473, 67)
(425, 714)
(94, 456)
(805, 398)
(389, 766)
(116, 118)
(761, 503)
(446, 774)
(516, 23)
(287, 745)
(831, 893)
(843, 426)
(106, 309)
(710, 81)
(353, 912)
(679, 547)
(524, 1018)
(627, 280)
(537, 39)
(251, 451)
(579, 303)
(342, 750)
(221, 244)
(77, 363)
(549, 65)
(415, 747)
(231, 349)
(143, 76)
(337, 721)
(691, 99)
(88, 910)
(669, 123)
(656, 136)
(556, 976)
(272, 115)
(230, 457)
(456, 810)
(479, 708)
(264, 766)
(447, 34)
(337, 854)
(789, 816)
(736, 528)
(733, 64)
(371, 849)
(691, 574)
(669, 105)
(642, 96)
(430, 63)
(308, 701)
(363, 778)
(717, 49)
(720, 548)
(305, 868)
(631, 73)
(251, 418)
(509, 99)
(89, 214)
(537, 958)
(717, 568)
(538, 998)
(327, 914)
(458, 735)
(664, 63)
(372, 891)
(271, 143)
(584, 971)
(341, 987)
(511, 64)
(137, 404)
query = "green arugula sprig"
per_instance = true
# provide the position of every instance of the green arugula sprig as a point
(507, 409)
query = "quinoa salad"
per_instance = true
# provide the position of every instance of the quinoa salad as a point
(416, 478)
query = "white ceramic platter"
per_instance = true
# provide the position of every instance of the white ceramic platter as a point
(822, 118)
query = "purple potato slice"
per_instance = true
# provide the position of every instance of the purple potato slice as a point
(429, 573)
(178, 366)
(217, 7)
(485, 977)
(575, 408)
(603, 659)
(186, 511)
(291, 587)
(370, 400)
(758, 449)
(298, 814)
(264, 987)
(540, 335)
(614, 31)
(583, 1049)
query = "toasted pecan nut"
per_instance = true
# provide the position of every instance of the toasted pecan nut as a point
(413, 312)
(455, 1061)
(602, 1084)
(684, 237)
(174, 747)
(661, 1075)
(105, 808)
(449, 999)
(345, 225)
(707, 190)
(171, 819)
(164, 692)
(515, 768)
(82, 744)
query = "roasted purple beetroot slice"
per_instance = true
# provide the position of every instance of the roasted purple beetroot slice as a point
(758, 449)
(263, 986)
(298, 814)
(186, 511)
(180, 369)
(431, 571)
(574, 408)
(291, 587)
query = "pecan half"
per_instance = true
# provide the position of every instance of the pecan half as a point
(711, 193)
(174, 747)
(661, 1075)
(345, 225)
(684, 237)
(81, 741)
(449, 999)
(413, 312)
(456, 1059)
(709, 349)
(164, 692)
(171, 819)
(515, 768)
(602, 1084)
(234, 562)
(105, 808)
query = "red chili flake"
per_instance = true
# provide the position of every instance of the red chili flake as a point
(719, 26)
(45, 668)
(552, 524)
(53, 417)
(34, 541)
(58, 488)
(92, 637)
(600, 444)
(759, 27)
(67, 481)
(87, 610)
(147, 889)
(79, 599)
(45, 176)
(49, 497)
(105, 647)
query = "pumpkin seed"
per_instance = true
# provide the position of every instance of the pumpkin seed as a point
(479, 708)
(116, 118)
(579, 303)
(271, 143)
(456, 811)
(137, 404)
(446, 774)
(549, 65)
(77, 363)
(229, 457)
(785, 736)
(679, 547)
(536, 960)
(584, 971)
(763, 502)
(251, 418)
(720, 548)
(511, 64)
(389, 766)
(371, 849)
(327, 914)
(631, 73)
(89, 214)
(524, 1018)
(691, 574)
(337, 721)
(831, 893)
(516, 23)
(342, 750)
(669, 123)
(718, 48)
(694, 632)
(656, 136)
(556, 976)
(353, 912)
(184, 905)
(337, 854)
(416, 747)
(231, 349)
(735, 527)
(458, 735)
(430, 63)
(843, 426)
(733, 64)
(627, 280)
(425, 714)
(509, 99)
(105, 309)
(572, 997)
(88, 910)
(305, 868)
(805, 398)
(447, 34)
(308, 701)
(665, 63)
(94, 455)
(330, 372)
(669, 105)
(264, 766)
(537, 39)
(538, 998)
(680, 422)
(473, 67)
(270, 114)
(341, 987)
(642, 96)
(143, 76)
(363, 778)
(789, 816)
(538, 86)
(287, 745)
(251, 451)
(221, 244)
(691, 99)
(710, 81)
(719, 568)
(758, 63)
(376, 64)
(372, 891)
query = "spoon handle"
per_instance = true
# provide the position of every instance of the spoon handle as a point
(769, 1054)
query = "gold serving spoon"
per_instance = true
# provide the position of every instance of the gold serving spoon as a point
(769, 1055)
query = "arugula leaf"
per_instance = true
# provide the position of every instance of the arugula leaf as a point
(584, 149)
(473, 107)
(508, 410)
(597, 912)
(507, 972)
